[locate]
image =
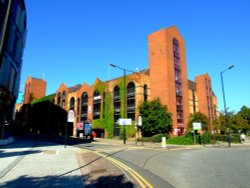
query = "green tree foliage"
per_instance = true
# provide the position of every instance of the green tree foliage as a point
(156, 118)
(198, 117)
(245, 113)
(236, 122)
(221, 124)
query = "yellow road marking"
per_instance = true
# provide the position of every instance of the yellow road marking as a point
(143, 183)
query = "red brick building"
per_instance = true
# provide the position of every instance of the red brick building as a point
(103, 103)
(35, 88)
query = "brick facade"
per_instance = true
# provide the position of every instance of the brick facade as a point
(162, 73)
(166, 78)
(34, 89)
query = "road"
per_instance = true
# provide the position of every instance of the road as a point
(181, 167)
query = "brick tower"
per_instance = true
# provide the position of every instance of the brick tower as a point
(168, 74)
(35, 88)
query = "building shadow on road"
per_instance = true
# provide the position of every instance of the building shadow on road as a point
(66, 181)
(111, 181)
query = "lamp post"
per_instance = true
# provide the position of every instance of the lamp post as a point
(124, 98)
(125, 91)
(224, 100)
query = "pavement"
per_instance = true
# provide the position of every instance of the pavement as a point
(29, 163)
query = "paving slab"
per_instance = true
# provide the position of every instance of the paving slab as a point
(39, 164)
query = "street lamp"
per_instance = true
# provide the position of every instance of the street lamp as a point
(224, 100)
(124, 84)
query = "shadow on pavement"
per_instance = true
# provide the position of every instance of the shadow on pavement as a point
(67, 181)
(4, 154)
(47, 181)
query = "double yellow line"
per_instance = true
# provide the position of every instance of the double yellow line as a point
(143, 183)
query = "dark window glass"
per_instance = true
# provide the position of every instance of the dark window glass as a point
(78, 106)
(97, 105)
(178, 82)
(117, 103)
(131, 101)
(63, 99)
(84, 108)
(145, 93)
(72, 103)
(103, 105)
(59, 99)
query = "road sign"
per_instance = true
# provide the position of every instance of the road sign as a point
(71, 115)
(125, 121)
(196, 126)
(79, 125)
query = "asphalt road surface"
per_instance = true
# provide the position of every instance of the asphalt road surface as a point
(205, 167)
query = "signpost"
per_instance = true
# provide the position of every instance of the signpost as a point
(196, 126)
(140, 127)
(71, 115)
(125, 122)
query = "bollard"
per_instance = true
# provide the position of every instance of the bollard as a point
(163, 142)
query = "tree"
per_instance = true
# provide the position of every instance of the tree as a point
(239, 123)
(156, 118)
(245, 113)
(198, 117)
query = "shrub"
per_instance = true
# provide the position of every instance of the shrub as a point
(235, 138)
(206, 138)
(130, 131)
(146, 139)
(157, 138)
(180, 140)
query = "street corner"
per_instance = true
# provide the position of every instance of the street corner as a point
(97, 171)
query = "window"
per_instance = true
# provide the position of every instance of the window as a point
(78, 106)
(84, 108)
(117, 103)
(178, 82)
(72, 103)
(131, 100)
(103, 105)
(145, 92)
(59, 99)
(97, 105)
(63, 99)
(11, 78)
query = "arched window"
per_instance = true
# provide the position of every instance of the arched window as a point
(178, 82)
(131, 100)
(145, 93)
(97, 105)
(63, 99)
(78, 109)
(103, 104)
(72, 103)
(84, 108)
(117, 103)
(59, 99)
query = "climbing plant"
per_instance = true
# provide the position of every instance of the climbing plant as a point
(107, 122)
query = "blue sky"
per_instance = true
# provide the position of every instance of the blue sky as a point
(73, 41)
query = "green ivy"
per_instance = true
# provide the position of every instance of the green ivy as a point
(109, 116)
(46, 98)
(122, 93)
(107, 122)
